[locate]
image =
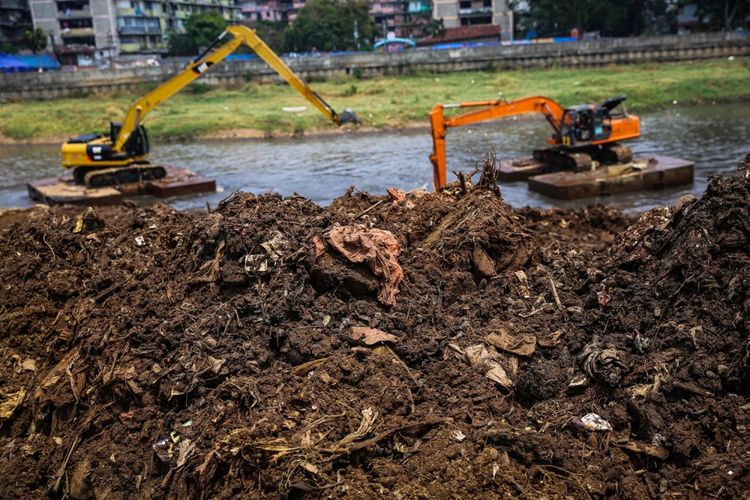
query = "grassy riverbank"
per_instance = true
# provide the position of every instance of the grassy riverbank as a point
(384, 102)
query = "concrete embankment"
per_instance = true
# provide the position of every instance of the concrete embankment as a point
(576, 54)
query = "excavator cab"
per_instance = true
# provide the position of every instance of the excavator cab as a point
(137, 143)
(589, 123)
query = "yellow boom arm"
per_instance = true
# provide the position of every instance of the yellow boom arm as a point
(199, 66)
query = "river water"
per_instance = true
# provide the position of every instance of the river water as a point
(715, 137)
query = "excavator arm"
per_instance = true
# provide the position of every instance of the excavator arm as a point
(217, 52)
(488, 110)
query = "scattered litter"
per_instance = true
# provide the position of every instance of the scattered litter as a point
(163, 449)
(375, 247)
(276, 246)
(320, 248)
(396, 194)
(459, 436)
(12, 401)
(594, 422)
(578, 382)
(523, 284)
(605, 365)
(294, 109)
(478, 356)
(140, 241)
(521, 345)
(552, 339)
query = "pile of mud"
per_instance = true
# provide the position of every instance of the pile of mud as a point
(412, 345)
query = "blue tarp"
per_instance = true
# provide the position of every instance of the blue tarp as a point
(9, 64)
(16, 63)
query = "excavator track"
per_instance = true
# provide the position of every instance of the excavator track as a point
(564, 159)
(123, 175)
(613, 153)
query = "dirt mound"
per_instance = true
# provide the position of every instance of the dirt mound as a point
(149, 352)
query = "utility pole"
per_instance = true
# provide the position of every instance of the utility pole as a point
(110, 42)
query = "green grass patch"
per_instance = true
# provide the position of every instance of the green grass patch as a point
(381, 102)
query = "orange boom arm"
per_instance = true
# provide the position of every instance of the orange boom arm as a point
(491, 110)
(602, 126)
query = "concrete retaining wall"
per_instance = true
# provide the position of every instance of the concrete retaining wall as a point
(574, 54)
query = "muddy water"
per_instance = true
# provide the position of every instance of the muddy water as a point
(714, 136)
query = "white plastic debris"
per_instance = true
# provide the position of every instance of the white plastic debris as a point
(140, 241)
(459, 436)
(594, 422)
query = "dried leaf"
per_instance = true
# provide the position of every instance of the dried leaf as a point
(371, 336)
(186, 449)
(523, 345)
(311, 468)
(651, 450)
(523, 284)
(12, 401)
(477, 355)
(552, 339)
(28, 365)
(365, 426)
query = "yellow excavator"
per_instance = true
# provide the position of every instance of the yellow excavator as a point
(121, 156)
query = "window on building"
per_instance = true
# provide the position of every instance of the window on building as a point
(79, 40)
(69, 24)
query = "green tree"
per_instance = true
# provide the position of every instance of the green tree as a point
(200, 31)
(435, 28)
(723, 14)
(35, 40)
(609, 17)
(8, 48)
(328, 25)
(271, 32)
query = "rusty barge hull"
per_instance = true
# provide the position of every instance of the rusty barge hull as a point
(178, 182)
(641, 174)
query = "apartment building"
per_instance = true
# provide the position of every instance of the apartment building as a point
(83, 31)
(88, 31)
(402, 18)
(15, 18)
(455, 13)
(143, 25)
(271, 10)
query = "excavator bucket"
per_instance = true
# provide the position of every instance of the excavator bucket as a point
(349, 116)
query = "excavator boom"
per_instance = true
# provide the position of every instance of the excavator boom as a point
(216, 53)
(489, 110)
(122, 156)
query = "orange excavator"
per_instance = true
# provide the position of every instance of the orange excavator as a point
(584, 136)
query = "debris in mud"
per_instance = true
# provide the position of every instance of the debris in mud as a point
(249, 352)
(375, 247)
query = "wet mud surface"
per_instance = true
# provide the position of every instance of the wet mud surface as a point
(530, 353)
